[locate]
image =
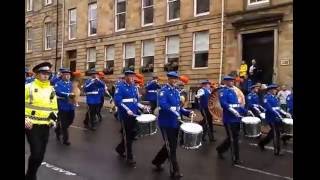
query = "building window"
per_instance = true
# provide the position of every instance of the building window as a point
(29, 5)
(28, 39)
(91, 58)
(172, 49)
(48, 33)
(147, 12)
(72, 23)
(47, 2)
(92, 19)
(109, 60)
(173, 10)
(201, 7)
(147, 62)
(257, 2)
(120, 15)
(200, 49)
(129, 56)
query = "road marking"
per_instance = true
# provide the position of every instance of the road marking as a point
(263, 172)
(84, 129)
(271, 148)
(60, 170)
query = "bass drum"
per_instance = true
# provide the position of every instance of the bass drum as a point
(215, 107)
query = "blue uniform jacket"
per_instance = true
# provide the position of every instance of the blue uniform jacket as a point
(126, 98)
(29, 80)
(170, 97)
(63, 89)
(91, 88)
(55, 79)
(204, 99)
(272, 106)
(229, 99)
(290, 103)
(151, 91)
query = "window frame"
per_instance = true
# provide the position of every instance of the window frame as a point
(48, 2)
(194, 52)
(30, 7)
(116, 17)
(167, 42)
(46, 35)
(195, 4)
(28, 39)
(142, 50)
(142, 14)
(124, 54)
(95, 61)
(90, 20)
(105, 54)
(257, 3)
(168, 10)
(69, 24)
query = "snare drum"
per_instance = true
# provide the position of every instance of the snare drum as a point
(288, 126)
(190, 135)
(147, 124)
(251, 126)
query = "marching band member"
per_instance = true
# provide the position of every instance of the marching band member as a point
(151, 92)
(253, 101)
(169, 116)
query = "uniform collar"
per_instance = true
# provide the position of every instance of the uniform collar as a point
(42, 84)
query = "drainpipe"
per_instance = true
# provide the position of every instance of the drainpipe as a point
(63, 29)
(57, 37)
(221, 40)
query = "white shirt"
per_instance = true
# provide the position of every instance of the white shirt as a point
(251, 69)
(282, 95)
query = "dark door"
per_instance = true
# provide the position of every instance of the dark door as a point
(73, 66)
(260, 46)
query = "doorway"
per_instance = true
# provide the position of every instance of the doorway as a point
(260, 46)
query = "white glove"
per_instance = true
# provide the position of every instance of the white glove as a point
(27, 123)
(288, 115)
(173, 108)
(54, 124)
(130, 113)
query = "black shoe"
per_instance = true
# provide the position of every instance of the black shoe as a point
(261, 147)
(278, 154)
(86, 126)
(220, 155)
(158, 166)
(176, 174)
(93, 128)
(237, 162)
(131, 162)
(67, 143)
(58, 137)
(122, 155)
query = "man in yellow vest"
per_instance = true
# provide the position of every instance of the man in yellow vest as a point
(40, 114)
(243, 70)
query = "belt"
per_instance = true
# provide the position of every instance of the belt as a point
(175, 108)
(234, 105)
(153, 91)
(37, 118)
(129, 100)
(93, 92)
(276, 108)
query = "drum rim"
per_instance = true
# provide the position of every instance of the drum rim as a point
(145, 122)
(191, 132)
(251, 122)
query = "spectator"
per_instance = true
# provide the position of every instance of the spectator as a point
(282, 95)
(243, 70)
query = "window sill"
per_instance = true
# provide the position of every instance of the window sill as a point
(147, 25)
(49, 49)
(120, 30)
(70, 39)
(28, 52)
(173, 20)
(257, 5)
(202, 14)
(92, 35)
(196, 68)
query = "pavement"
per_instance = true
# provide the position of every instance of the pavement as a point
(91, 156)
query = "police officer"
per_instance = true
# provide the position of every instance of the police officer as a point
(273, 116)
(253, 101)
(152, 92)
(126, 99)
(169, 116)
(203, 95)
(40, 114)
(91, 89)
(63, 90)
(231, 119)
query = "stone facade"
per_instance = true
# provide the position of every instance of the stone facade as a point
(185, 27)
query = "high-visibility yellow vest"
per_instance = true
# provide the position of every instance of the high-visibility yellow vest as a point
(40, 102)
(243, 70)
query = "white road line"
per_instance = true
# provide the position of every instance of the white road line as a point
(60, 170)
(263, 172)
(84, 129)
(271, 148)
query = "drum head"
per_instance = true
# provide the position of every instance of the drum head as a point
(287, 121)
(145, 118)
(250, 120)
(192, 128)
